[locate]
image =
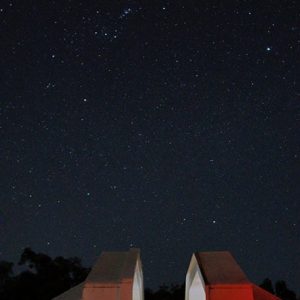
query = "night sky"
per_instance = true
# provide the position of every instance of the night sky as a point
(165, 125)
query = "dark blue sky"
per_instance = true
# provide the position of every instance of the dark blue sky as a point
(169, 126)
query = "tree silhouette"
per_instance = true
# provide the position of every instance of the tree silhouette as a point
(267, 285)
(281, 289)
(283, 292)
(43, 278)
(175, 292)
(6, 272)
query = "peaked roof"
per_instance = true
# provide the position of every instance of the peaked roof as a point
(220, 268)
(113, 267)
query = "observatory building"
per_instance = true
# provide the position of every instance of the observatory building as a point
(115, 276)
(217, 276)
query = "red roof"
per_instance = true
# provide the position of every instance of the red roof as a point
(220, 268)
(225, 280)
(113, 268)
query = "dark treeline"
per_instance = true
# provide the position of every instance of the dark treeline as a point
(175, 292)
(280, 290)
(43, 278)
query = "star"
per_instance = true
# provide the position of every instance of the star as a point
(130, 118)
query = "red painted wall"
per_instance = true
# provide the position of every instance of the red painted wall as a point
(230, 292)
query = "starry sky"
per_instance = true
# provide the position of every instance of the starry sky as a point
(165, 125)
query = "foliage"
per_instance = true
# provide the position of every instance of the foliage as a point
(267, 285)
(281, 289)
(175, 292)
(283, 292)
(43, 278)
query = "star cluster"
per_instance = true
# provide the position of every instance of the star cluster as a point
(169, 126)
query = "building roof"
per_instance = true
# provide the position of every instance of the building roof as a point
(113, 268)
(220, 268)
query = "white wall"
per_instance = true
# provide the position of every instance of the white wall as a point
(138, 283)
(194, 283)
